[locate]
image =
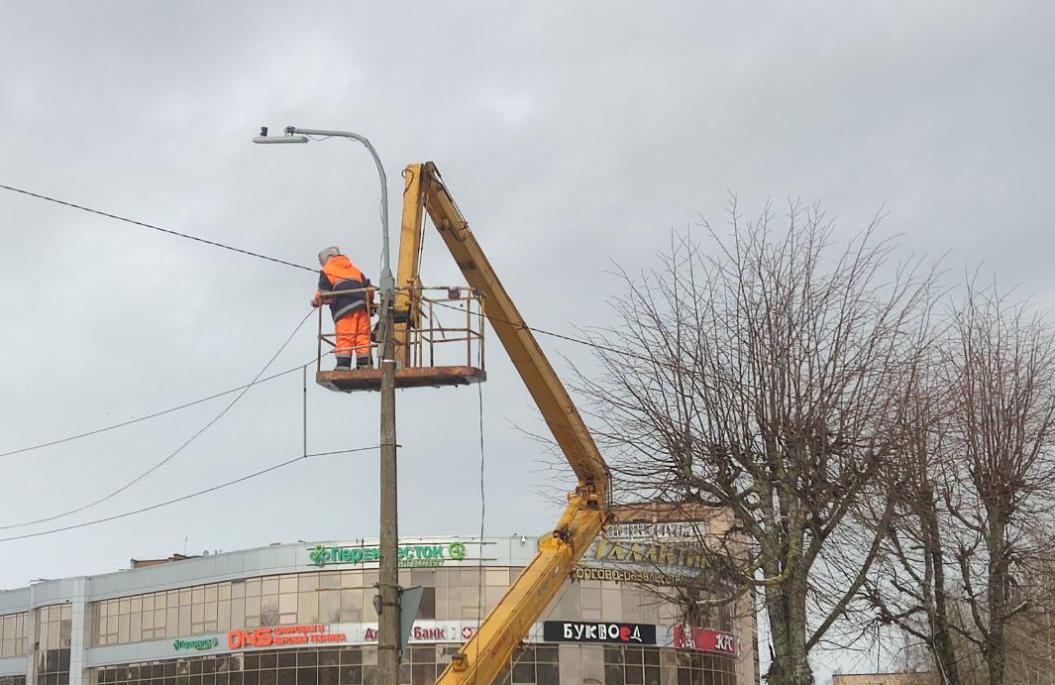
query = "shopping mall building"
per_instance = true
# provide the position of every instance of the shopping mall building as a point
(302, 614)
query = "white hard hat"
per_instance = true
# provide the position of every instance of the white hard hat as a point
(331, 251)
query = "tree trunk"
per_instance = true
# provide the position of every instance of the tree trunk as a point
(943, 649)
(997, 587)
(786, 609)
(942, 646)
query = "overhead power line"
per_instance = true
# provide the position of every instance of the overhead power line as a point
(259, 255)
(561, 336)
(280, 374)
(143, 224)
(147, 417)
(183, 498)
(172, 455)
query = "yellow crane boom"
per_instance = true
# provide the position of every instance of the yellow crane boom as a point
(482, 658)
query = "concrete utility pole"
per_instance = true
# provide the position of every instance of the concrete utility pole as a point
(388, 581)
(388, 620)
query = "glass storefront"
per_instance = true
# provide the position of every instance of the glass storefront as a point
(296, 598)
(343, 666)
(331, 597)
(541, 664)
(344, 597)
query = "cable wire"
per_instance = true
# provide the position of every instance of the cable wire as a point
(183, 498)
(172, 455)
(290, 264)
(147, 417)
(542, 331)
(223, 393)
(143, 224)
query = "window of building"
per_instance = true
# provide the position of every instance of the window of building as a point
(532, 665)
(421, 669)
(696, 667)
(12, 637)
(54, 627)
(625, 665)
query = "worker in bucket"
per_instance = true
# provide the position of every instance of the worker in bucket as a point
(349, 307)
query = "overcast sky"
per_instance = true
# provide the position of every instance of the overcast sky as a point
(573, 136)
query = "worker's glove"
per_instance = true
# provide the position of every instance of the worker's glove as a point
(314, 302)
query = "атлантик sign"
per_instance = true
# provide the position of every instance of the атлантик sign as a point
(617, 633)
(420, 555)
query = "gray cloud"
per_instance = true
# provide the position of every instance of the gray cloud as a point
(573, 135)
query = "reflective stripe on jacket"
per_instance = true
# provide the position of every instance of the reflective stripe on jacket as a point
(340, 274)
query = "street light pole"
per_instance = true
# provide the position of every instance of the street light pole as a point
(388, 577)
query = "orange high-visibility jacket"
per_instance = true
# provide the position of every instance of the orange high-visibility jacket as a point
(340, 274)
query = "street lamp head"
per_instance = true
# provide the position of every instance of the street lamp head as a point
(300, 135)
(264, 139)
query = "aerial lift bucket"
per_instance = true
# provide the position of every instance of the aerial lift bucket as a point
(439, 341)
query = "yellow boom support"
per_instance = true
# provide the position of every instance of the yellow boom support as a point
(483, 657)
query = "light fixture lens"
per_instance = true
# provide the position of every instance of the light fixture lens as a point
(276, 140)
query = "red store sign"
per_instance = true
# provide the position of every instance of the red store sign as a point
(704, 640)
(279, 636)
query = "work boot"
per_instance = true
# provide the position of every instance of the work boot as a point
(343, 365)
(363, 362)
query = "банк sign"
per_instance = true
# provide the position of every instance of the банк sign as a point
(617, 633)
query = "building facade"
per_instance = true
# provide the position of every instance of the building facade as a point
(303, 614)
(927, 678)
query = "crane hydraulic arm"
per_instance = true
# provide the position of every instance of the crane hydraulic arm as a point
(482, 658)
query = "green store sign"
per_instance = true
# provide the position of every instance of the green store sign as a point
(410, 556)
(202, 645)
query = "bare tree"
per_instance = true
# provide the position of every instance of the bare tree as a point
(767, 375)
(1030, 634)
(978, 479)
(911, 582)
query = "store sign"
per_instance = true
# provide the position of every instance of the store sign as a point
(661, 531)
(410, 556)
(704, 640)
(655, 554)
(436, 631)
(618, 633)
(282, 636)
(619, 575)
(202, 645)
